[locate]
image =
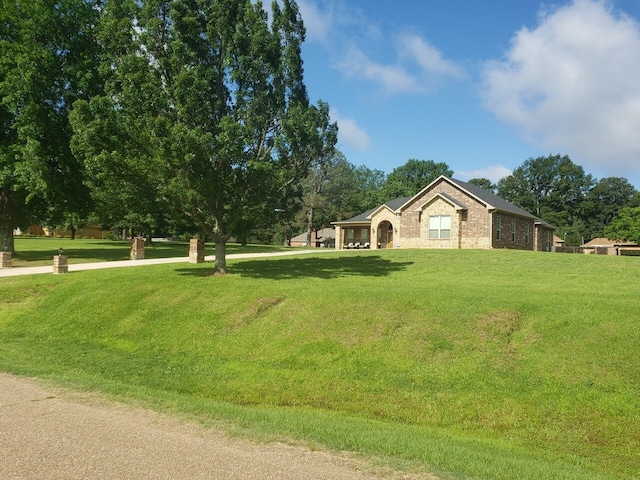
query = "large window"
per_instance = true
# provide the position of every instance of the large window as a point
(498, 227)
(513, 230)
(440, 226)
(526, 234)
(364, 235)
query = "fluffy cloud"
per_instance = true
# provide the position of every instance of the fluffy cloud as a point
(392, 78)
(571, 85)
(349, 132)
(419, 68)
(318, 23)
(492, 172)
(428, 58)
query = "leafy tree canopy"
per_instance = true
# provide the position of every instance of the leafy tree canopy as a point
(484, 183)
(48, 54)
(413, 176)
(204, 101)
(626, 226)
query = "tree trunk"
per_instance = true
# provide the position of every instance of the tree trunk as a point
(7, 220)
(221, 258)
(73, 232)
(309, 226)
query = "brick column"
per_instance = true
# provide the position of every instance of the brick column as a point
(196, 250)
(137, 248)
(338, 237)
(5, 259)
(60, 265)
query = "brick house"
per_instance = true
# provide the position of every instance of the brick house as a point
(447, 213)
(325, 237)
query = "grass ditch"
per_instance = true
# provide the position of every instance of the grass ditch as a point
(466, 364)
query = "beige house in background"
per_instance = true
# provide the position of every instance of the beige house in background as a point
(447, 213)
(604, 246)
(325, 238)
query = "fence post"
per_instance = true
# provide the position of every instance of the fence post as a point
(196, 250)
(5, 259)
(60, 265)
(137, 248)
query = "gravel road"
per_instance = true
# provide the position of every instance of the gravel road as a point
(49, 433)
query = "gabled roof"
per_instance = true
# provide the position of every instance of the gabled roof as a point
(447, 198)
(365, 217)
(392, 205)
(489, 199)
(361, 218)
(396, 203)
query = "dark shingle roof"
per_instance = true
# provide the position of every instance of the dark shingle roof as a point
(394, 204)
(453, 200)
(359, 218)
(491, 199)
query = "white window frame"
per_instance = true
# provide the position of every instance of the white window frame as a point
(439, 227)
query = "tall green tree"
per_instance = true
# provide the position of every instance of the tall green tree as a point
(552, 187)
(207, 102)
(408, 179)
(484, 183)
(315, 200)
(603, 202)
(625, 226)
(47, 61)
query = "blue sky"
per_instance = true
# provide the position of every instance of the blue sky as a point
(482, 86)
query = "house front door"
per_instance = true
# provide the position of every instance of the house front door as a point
(390, 239)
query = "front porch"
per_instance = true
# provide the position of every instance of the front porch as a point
(359, 236)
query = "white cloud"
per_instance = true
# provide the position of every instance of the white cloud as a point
(393, 78)
(492, 172)
(349, 132)
(419, 67)
(428, 58)
(571, 85)
(318, 23)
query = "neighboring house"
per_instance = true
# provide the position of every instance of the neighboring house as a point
(447, 213)
(325, 237)
(604, 246)
(94, 232)
(558, 242)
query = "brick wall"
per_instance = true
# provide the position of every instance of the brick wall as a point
(386, 215)
(470, 228)
(472, 225)
(517, 238)
(543, 240)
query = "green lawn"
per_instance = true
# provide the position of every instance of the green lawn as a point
(35, 251)
(466, 364)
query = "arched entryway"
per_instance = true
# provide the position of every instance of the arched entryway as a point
(385, 235)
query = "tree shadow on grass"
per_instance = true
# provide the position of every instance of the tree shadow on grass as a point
(304, 267)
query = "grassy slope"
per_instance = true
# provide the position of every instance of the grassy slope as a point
(474, 364)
